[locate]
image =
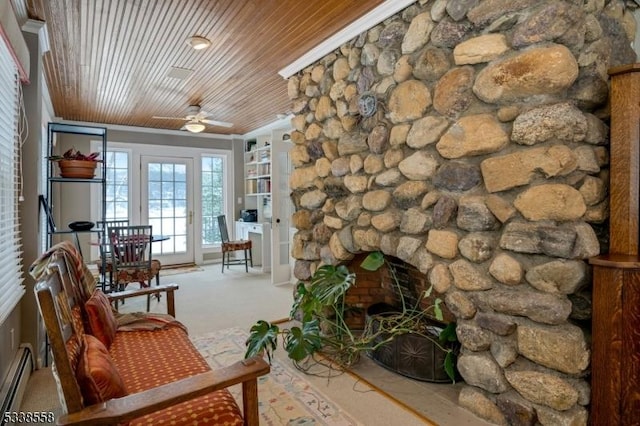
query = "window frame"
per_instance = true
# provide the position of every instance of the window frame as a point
(224, 208)
(129, 174)
(11, 262)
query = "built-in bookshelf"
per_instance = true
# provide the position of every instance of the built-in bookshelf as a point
(257, 166)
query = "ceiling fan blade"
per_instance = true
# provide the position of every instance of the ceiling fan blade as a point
(201, 115)
(170, 118)
(217, 123)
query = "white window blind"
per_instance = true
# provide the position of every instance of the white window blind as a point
(11, 287)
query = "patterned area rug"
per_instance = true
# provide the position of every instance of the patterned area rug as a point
(164, 272)
(286, 398)
(179, 270)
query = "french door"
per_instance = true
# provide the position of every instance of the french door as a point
(282, 209)
(166, 194)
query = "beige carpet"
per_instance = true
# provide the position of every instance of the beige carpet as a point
(208, 301)
(41, 395)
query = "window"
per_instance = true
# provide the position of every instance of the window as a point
(177, 190)
(11, 288)
(213, 196)
(117, 185)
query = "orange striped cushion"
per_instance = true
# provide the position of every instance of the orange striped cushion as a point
(74, 347)
(148, 359)
(236, 245)
(77, 320)
(101, 320)
(126, 276)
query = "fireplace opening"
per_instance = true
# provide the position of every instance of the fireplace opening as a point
(395, 296)
(381, 287)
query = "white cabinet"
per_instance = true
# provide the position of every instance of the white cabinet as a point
(260, 236)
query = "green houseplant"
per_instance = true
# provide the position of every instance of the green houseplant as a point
(74, 164)
(322, 310)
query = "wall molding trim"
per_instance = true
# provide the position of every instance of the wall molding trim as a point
(377, 15)
(35, 26)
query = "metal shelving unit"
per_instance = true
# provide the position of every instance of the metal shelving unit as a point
(54, 179)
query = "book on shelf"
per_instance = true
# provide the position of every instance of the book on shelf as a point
(264, 169)
(264, 185)
(251, 187)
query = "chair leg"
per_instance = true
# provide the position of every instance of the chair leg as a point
(157, 295)
(121, 287)
(246, 261)
(223, 262)
(250, 257)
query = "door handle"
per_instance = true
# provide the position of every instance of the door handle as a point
(190, 217)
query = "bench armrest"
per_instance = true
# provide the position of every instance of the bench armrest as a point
(163, 288)
(120, 410)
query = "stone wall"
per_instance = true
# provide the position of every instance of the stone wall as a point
(469, 139)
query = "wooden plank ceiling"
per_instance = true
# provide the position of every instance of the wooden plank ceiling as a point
(109, 59)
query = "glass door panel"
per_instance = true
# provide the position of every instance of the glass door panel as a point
(167, 205)
(281, 211)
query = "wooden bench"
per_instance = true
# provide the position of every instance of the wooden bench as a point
(138, 372)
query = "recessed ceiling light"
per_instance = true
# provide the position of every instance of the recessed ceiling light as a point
(198, 42)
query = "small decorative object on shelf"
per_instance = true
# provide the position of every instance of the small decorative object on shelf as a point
(74, 164)
(81, 226)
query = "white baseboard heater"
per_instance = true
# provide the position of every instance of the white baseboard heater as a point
(15, 383)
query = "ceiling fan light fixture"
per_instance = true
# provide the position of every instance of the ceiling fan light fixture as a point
(198, 43)
(194, 127)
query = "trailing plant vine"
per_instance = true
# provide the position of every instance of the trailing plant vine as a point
(322, 310)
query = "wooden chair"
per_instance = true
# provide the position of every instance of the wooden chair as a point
(104, 245)
(229, 246)
(131, 257)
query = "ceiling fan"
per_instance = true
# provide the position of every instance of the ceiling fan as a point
(196, 120)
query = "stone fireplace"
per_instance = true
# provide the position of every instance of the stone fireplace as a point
(469, 139)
